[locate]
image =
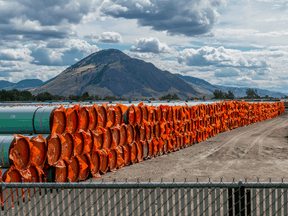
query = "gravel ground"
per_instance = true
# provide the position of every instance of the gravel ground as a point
(256, 151)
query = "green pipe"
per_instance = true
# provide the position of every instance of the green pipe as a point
(17, 120)
(5, 143)
(42, 120)
(26, 120)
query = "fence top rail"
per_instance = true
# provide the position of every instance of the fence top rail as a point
(147, 185)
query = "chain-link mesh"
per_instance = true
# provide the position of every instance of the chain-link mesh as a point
(144, 198)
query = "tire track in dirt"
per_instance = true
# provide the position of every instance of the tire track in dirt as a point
(257, 140)
(198, 158)
(262, 130)
(261, 137)
(232, 141)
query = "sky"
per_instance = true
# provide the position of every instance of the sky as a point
(242, 43)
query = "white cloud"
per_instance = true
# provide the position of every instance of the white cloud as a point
(43, 73)
(48, 12)
(40, 20)
(65, 54)
(221, 56)
(16, 54)
(110, 37)
(106, 37)
(245, 78)
(183, 17)
(226, 72)
(151, 44)
(241, 33)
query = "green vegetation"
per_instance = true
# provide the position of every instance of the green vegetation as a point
(16, 95)
(252, 93)
(86, 96)
(218, 94)
(230, 95)
(47, 96)
(193, 98)
(170, 97)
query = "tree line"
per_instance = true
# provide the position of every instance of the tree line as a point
(250, 94)
(16, 95)
(219, 94)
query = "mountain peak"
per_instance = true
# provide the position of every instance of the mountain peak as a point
(112, 72)
(108, 52)
(102, 57)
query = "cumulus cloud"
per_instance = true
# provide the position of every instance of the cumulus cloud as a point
(16, 54)
(40, 20)
(244, 78)
(151, 44)
(243, 81)
(12, 66)
(65, 53)
(43, 73)
(183, 17)
(4, 63)
(241, 33)
(106, 37)
(206, 56)
(51, 12)
(226, 72)
(110, 37)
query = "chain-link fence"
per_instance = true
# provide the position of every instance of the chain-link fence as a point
(144, 198)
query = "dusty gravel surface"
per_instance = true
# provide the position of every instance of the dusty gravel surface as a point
(256, 151)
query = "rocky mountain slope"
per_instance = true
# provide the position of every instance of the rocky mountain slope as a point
(113, 73)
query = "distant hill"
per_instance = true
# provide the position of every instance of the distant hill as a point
(240, 92)
(201, 85)
(21, 85)
(4, 84)
(208, 88)
(113, 73)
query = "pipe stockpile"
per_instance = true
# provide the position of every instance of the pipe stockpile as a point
(32, 120)
(90, 140)
(22, 157)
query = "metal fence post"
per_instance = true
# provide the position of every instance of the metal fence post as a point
(242, 199)
(236, 200)
(239, 195)
(5, 201)
(248, 202)
(230, 201)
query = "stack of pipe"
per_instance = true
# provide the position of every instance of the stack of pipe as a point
(89, 144)
(79, 141)
(23, 157)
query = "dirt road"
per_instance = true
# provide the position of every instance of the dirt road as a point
(258, 150)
